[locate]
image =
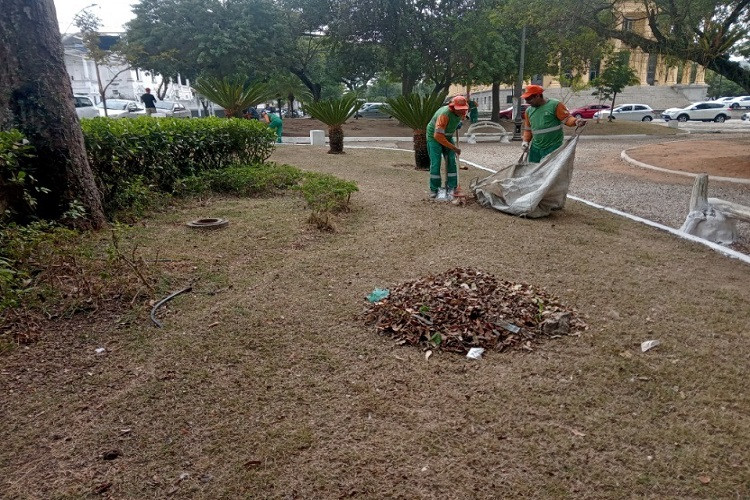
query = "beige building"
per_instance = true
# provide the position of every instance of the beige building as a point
(662, 84)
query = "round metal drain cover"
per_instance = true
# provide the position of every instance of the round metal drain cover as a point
(208, 223)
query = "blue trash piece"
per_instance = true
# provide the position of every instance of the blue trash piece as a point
(378, 294)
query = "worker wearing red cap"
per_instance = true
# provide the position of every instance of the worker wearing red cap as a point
(440, 131)
(542, 131)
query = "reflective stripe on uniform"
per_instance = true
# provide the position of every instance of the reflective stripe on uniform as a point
(435, 177)
(545, 130)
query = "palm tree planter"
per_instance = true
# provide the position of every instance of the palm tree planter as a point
(232, 93)
(334, 113)
(416, 112)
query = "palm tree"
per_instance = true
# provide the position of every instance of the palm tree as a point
(234, 94)
(416, 112)
(334, 113)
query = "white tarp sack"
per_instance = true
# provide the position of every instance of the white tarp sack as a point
(711, 224)
(530, 189)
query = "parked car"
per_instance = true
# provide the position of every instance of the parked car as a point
(588, 111)
(630, 112)
(122, 108)
(742, 101)
(371, 111)
(508, 113)
(85, 107)
(703, 111)
(172, 109)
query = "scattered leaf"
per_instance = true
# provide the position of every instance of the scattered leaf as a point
(704, 479)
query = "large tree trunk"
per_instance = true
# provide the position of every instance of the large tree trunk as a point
(36, 98)
(421, 155)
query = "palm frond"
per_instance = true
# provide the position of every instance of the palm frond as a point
(233, 94)
(413, 110)
(332, 112)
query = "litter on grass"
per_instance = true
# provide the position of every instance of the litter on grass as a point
(464, 308)
(378, 294)
(475, 353)
(649, 344)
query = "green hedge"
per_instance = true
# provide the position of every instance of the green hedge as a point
(160, 151)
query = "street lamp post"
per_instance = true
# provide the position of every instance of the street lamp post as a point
(76, 15)
(519, 90)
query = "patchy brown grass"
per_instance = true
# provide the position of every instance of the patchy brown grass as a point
(264, 383)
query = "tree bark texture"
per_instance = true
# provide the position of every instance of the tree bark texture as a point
(421, 154)
(335, 139)
(35, 97)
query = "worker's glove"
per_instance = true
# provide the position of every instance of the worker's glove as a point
(458, 151)
(525, 145)
(580, 122)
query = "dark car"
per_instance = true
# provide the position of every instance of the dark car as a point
(588, 111)
(508, 113)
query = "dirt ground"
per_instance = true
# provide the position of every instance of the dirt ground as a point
(363, 127)
(265, 382)
(723, 157)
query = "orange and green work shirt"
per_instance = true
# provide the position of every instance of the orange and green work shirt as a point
(444, 123)
(542, 127)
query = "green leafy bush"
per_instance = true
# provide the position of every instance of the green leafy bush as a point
(25, 252)
(325, 195)
(243, 180)
(18, 186)
(161, 151)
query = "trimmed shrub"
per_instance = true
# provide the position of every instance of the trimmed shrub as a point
(160, 151)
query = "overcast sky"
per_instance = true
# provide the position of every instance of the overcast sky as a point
(113, 13)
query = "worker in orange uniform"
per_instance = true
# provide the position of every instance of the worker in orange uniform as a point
(440, 143)
(542, 123)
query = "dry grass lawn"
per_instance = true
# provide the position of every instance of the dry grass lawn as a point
(264, 382)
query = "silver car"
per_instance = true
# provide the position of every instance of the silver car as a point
(172, 109)
(630, 112)
(85, 107)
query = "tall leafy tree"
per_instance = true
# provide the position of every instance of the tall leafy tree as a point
(36, 98)
(707, 32)
(616, 76)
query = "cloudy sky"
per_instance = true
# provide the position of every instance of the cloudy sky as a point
(113, 13)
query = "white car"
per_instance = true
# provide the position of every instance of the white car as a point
(706, 111)
(122, 108)
(85, 107)
(742, 101)
(630, 112)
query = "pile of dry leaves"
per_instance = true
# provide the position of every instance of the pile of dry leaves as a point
(464, 308)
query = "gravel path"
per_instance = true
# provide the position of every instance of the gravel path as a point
(600, 176)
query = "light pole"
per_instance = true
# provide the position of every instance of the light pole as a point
(519, 89)
(76, 15)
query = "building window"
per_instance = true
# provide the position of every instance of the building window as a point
(594, 68)
(627, 24)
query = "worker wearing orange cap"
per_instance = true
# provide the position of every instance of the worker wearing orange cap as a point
(440, 131)
(542, 123)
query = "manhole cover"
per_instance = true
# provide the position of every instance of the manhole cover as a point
(208, 223)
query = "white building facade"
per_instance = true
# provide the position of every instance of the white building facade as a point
(124, 82)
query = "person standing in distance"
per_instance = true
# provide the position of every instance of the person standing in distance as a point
(440, 131)
(542, 123)
(149, 101)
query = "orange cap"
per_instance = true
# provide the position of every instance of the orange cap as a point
(459, 102)
(532, 90)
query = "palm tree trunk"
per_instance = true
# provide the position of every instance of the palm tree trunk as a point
(336, 139)
(421, 156)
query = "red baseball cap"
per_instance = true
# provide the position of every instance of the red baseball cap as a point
(459, 102)
(532, 90)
